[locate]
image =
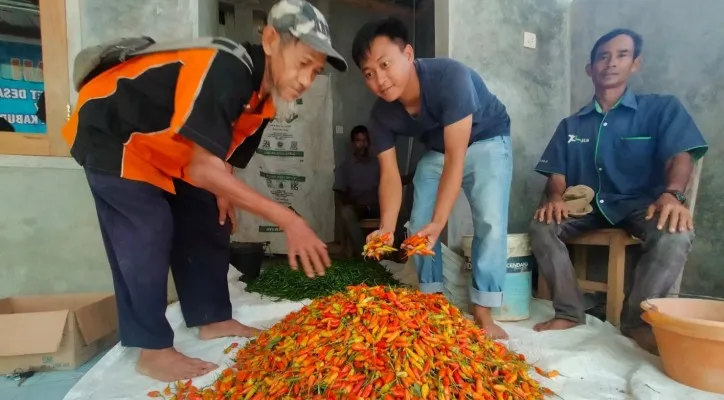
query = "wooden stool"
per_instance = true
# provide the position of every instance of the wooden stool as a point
(617, 240)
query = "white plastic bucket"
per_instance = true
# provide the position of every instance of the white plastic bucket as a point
(517, 290)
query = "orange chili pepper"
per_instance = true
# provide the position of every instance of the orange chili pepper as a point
(372, 342)
(417, 245)
(377, 247)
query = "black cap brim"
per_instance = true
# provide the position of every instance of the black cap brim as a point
(333, 57)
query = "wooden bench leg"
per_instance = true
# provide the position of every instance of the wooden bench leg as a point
(616, 275)
(580, 261)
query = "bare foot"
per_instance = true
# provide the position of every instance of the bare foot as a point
(555, 324)
(484, 319)
(228, 328)
(168, 365)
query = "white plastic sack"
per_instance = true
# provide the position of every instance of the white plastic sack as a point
(294, 166)
(456, 280)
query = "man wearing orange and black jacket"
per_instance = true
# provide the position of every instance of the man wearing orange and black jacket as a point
(157, 136)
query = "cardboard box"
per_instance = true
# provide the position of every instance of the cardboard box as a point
(55, 332)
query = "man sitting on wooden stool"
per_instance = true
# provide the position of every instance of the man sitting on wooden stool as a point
(636, 153)
(356, 181)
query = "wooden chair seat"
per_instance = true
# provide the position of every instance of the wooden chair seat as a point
(603, 237)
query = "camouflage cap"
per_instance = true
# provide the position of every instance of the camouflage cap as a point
(305, 22)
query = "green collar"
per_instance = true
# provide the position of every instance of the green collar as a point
(627, 100)
(600, 110)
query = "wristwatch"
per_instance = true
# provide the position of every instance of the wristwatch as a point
(678, 195)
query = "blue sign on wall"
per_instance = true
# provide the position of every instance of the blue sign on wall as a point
(21, 84)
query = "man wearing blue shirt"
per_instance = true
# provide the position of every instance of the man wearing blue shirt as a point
(356, 182)
(466, 130)
(636, 152)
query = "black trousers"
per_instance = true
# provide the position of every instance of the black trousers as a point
(145, 230)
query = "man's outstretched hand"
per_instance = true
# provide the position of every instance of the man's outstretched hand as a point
(430, 231)
(670, 209)
(304, 244)
(554, 210)
(381, 232)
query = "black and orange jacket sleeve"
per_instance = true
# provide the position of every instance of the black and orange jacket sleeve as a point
(210, 97)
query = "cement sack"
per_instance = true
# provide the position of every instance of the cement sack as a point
(294, 166)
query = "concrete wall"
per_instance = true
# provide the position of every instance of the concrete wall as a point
(683, 56)
(532, 83)
(49, 236)
(102, 20)
(208, 18)
(423, 38)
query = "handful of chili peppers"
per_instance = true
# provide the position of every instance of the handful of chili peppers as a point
(372, 343)
(417, 244)
(377, 247)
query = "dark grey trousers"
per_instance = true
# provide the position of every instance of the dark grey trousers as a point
(663, 257)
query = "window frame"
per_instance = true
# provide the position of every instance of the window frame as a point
(54, 43)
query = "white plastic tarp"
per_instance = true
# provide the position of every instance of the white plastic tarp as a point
(595, 361)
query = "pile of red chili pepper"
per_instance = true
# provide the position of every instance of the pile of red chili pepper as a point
(417, 244)
(372, 343)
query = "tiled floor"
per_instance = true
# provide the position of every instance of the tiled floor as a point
(44, 385)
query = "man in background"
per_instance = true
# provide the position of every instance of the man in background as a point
(356, 181)
(636, 152)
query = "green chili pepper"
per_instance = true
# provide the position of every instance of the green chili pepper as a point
(282, 283)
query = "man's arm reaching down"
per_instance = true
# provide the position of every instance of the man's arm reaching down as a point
(679, 143)
(457, 136)
(209, 172)
(678, 171)
(555, 187)
(390, 190)
(670, 209)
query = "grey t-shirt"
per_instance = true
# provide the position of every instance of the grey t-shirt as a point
(359, 178)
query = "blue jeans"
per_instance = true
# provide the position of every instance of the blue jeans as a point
(486, 183)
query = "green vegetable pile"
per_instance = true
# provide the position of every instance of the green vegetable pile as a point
(282, 283)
